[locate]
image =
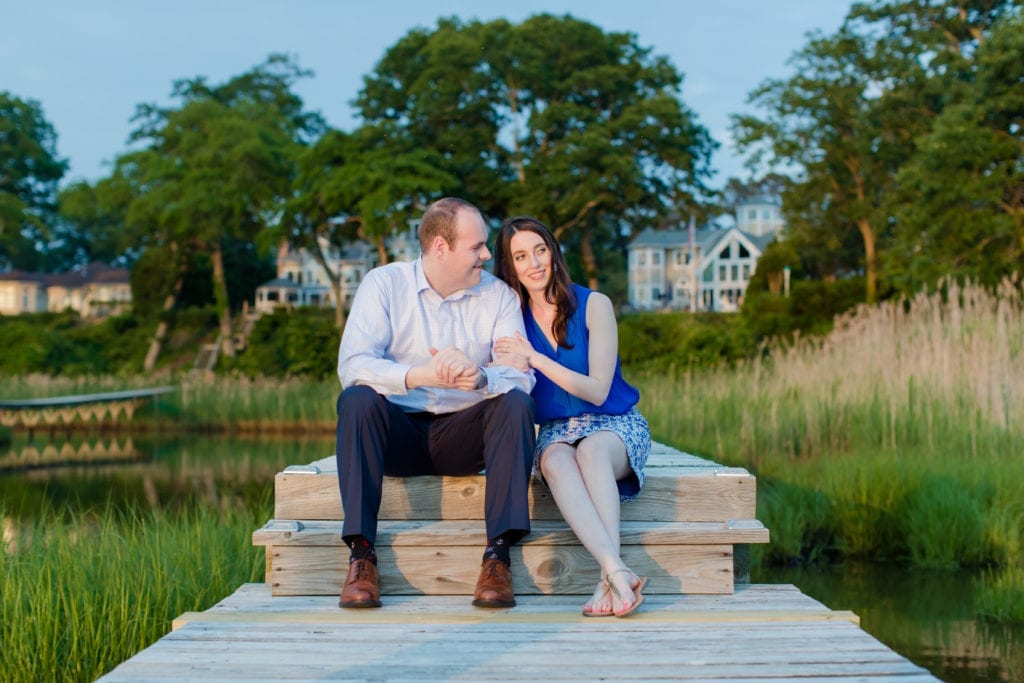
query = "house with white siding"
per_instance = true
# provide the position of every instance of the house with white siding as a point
(302, 281)
(701, 269)
(94, 290)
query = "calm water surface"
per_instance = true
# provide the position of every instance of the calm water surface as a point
(926, 616)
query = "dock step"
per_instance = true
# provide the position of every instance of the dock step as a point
(307, 557)
(680, 489)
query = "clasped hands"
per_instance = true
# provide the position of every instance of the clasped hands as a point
(451, 368)
(448, 368)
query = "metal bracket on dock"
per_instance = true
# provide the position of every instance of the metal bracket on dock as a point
(731, 472)
(301, 469)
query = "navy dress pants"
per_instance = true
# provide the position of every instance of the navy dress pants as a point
(377, 438)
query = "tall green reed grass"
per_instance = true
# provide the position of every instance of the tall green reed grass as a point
(900, 435)
(85, 590)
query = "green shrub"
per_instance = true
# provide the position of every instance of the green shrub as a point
(658, 341)
(290, 343)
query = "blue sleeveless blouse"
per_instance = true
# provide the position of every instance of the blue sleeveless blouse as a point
(554, 403)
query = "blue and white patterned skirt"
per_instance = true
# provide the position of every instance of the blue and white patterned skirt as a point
(631, 427)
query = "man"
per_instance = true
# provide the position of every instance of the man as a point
(416, 398)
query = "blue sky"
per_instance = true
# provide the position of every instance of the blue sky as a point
(90, 63)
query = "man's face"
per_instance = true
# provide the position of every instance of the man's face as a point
(464, 260)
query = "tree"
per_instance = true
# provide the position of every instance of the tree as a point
(87, 230)
(960, 204)
(828, 121)
(863, 107)
(551, 117)
(217, 168)
(364, 184)
(29, 172)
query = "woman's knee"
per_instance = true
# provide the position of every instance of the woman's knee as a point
(592, 453)
(557, 460)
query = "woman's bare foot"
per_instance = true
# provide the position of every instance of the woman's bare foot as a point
(600, 603)
(625, 588)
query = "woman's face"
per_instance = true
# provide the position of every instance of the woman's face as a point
(531, 259)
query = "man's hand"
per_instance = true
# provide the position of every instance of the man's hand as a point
(449, 364)
(448, 368)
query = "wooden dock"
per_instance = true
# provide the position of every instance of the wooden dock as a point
(688, 533)
(760, 632)
(54, 411)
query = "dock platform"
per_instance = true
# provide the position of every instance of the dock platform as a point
(688, 533)
(759, 632)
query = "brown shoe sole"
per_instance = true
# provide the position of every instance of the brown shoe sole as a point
(480, 602)
(358, 604)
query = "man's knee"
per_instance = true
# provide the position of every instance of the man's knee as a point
(516, 403)
(357, 399)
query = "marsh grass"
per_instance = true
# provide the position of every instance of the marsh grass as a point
(84, 591)
(249, 403)
(899, 436)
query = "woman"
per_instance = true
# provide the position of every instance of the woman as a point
(593, 442)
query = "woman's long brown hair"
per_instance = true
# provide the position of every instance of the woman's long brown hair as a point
(559, 290)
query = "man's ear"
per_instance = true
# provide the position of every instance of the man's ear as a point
(439, 245)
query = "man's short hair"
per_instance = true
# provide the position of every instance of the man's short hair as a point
(439, 219)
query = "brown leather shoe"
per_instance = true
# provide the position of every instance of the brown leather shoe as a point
(362, 585)
(494, 587)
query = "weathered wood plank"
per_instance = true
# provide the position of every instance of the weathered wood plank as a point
(320, 532)
(679, 487)
(544, 569)
(253, 636)
(565, 614)
(257, 598)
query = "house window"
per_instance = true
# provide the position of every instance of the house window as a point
(641, 258)
(743, 252)
(766, 214)
(746, 271)
(735, 273)
(655, 259)
(722, 272)
(727, 253)
(752, 214)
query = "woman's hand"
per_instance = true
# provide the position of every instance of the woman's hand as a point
(514, 352)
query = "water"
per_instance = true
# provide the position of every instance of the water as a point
(926, 616)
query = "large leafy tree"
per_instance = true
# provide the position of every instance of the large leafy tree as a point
(867, 106)
(87, 229)
(829, 122)
(364, 184)
(959, 208)
(29, 172)
(553, 117)
(217, 167)
(606, 144)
